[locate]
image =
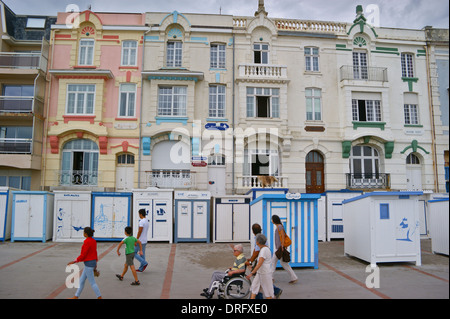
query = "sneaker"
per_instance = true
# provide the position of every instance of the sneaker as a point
(277, 296)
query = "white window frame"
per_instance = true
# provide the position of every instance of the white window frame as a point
(360, 65)
(263, 51)
(374, 158)
(174, 57)
(86, 58)
(273, 94)
(127, 58)
(173, 98)
(312, 114)
(77, 98)
(312, 59)
(218, 56)
(373, 111)
(129, 95)
(217, 101)
(411, 114)
(407, 65)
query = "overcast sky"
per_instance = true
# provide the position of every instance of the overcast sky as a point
(409, 14)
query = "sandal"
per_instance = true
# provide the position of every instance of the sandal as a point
(120, 277)
(135, 283)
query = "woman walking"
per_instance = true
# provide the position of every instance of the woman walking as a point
(262, 270)
(89, 257)
(279, 236)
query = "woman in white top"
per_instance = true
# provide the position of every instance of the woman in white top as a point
(263, 270)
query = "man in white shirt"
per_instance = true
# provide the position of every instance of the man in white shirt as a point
(142, 236)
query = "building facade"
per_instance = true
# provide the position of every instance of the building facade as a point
(24, 56)
(229, 103)
(317, 105)
(94, 88)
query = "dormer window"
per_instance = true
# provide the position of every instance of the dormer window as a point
(36, 23)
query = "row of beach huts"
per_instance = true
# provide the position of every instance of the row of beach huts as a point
(376, 226)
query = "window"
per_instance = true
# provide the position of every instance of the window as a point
(17, 98)
(366, 110)
(16, 139)
(260, 53)
(312, 59)
(384, 211)
(216, 160)
(263, 102)
(261, 162)
(127, 100)
(174, 54)
(364, 162)
(172, 101)
(412, 159)
(125, 159)
(313, 104)
(86, 55)
(80, 98)
(19, 182)
(217, 56)
(129, 53)
(79, 163)
(36, 23)
(411, 114)
(360, 66)
(407, 65)
(217, 101)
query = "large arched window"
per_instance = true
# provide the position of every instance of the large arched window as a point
(79, 163)
(364, 162)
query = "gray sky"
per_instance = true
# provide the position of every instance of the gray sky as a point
(409, 14)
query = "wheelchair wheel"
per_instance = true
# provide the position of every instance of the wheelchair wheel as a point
(237, 288)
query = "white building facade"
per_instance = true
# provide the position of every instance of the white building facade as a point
(318, 105)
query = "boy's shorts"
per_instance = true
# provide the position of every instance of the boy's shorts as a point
(129, 259)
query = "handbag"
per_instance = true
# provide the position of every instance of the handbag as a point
(287, 241)
(284, 255)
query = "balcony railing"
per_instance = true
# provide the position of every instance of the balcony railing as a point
(78, 178)
(349, 72)
(255, 182)
(16, 104)
(368, 181)
(262, 71)
(20, 60)
(170, 178)
(15, 145)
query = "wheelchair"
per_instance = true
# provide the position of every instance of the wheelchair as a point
(233, 287)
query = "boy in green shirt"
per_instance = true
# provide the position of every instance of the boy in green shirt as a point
(129, 242)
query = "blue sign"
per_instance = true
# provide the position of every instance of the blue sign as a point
(217, 126)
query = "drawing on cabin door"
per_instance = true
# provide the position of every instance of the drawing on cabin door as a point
(314, 178)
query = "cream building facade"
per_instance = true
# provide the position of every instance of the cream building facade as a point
(318, 105)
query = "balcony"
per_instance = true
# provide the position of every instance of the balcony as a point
(368, 181)
(15, 145)
(248, 182)
(349, 72)
(170, 178)
(78, 178)
(261, 72)
(20, 104)
(19, 60)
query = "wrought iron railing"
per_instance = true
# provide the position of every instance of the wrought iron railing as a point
(78, 177)
(368, 181)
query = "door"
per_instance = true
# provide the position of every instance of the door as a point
(22, 213)
(241, 222)
(360, 65)
(216, 174)
(36, 220)
(224, 222)
(125, 172)
(200, 217)
(160, 222)
(314, 173)
(184, 222)
(111, 216)
(413, 177)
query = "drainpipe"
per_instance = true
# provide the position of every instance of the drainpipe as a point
(140, 109)
(433, 128)
(233, 123)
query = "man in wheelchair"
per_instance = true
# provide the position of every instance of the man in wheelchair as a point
(232, 282)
